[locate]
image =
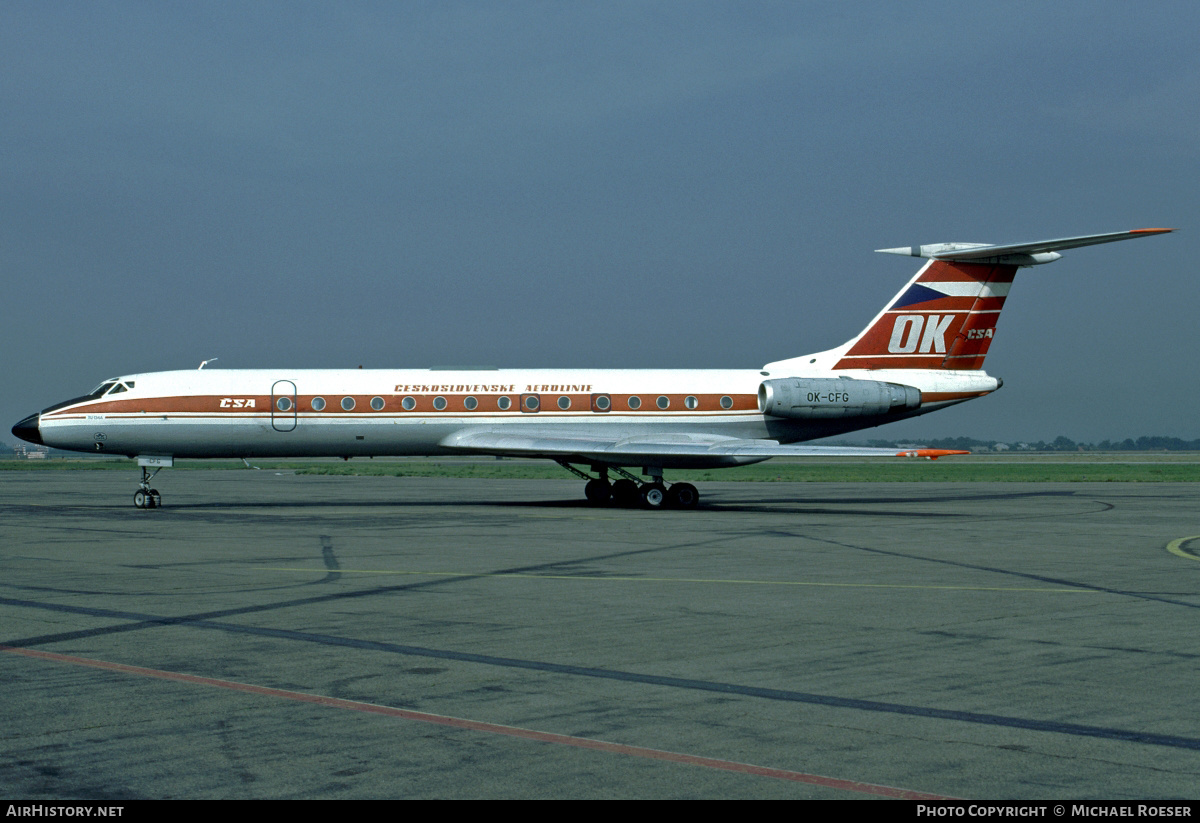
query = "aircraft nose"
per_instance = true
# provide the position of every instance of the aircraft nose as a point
(28, 430)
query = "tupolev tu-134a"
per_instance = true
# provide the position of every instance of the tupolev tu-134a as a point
(924, 351)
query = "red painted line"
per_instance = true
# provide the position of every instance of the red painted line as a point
(490, 728)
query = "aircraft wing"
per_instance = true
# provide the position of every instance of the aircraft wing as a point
(667, 450)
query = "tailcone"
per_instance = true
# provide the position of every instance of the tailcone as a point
(28, 430)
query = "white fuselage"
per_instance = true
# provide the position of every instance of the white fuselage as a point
(378, 412)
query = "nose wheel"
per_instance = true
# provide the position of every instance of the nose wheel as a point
(146, 497)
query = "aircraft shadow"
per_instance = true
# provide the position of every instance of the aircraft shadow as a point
(765, 505)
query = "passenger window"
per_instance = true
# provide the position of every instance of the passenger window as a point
(635, 402)
(318, 404)
(470, 404)
(377, 403)
(663, 401)
(504, 403)
(564, 402)
(727, 402)
(691, 402)
(408, 404)
(439, 403)
(348, 403)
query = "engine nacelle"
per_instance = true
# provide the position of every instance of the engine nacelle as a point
(824, 398)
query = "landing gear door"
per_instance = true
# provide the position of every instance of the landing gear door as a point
(283, 405)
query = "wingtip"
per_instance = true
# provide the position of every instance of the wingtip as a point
(930, 454)
(1151, 231)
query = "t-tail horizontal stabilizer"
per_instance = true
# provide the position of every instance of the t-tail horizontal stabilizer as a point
(1016, 254)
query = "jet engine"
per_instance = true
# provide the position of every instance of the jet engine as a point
(824, 398)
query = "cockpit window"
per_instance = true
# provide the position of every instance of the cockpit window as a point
(117, 389)
(102, 389)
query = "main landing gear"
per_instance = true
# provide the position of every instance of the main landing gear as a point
(628, 491)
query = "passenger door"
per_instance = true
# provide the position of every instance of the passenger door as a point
(283, 406)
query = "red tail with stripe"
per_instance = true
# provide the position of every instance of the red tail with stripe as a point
(945, 318)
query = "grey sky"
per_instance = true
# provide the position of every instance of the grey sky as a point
(596, 184)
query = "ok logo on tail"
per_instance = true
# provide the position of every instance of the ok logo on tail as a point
(929, 331)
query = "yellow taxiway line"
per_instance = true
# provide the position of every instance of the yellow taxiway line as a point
(1176, 547)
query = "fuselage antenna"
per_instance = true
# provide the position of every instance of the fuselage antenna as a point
(204, 363)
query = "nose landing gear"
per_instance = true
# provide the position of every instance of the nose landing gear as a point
(146, 497)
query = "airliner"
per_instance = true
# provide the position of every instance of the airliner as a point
(923, 352)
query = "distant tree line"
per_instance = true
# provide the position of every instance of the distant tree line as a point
(1059, 444)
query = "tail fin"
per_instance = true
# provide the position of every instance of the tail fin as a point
(945, 317)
